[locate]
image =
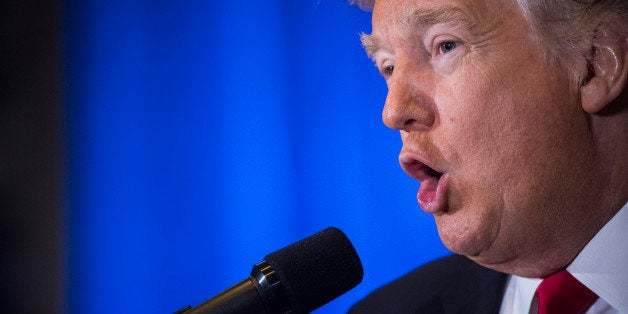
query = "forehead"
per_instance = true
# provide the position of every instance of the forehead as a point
(391, 12)
(408, 18)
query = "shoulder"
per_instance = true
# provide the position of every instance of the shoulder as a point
(452, 284)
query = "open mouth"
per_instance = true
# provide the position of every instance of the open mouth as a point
(433, 173)
(417, 169)
(431, 193)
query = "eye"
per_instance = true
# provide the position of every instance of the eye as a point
(385, 63)
(388, 71)
(448, 46)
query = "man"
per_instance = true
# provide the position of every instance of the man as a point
(514, 117)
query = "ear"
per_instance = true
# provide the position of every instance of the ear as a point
(608, 70)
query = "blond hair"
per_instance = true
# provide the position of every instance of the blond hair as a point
(566, 28)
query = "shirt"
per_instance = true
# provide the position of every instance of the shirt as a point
(601, 266)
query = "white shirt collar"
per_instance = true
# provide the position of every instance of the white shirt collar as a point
(601, 266)
(519, 294)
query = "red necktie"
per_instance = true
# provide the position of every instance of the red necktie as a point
(561, 293)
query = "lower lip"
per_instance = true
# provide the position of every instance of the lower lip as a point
(432, 194)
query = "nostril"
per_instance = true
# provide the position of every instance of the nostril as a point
(411, 122)
(411, 125)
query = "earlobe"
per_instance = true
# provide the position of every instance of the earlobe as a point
(593, 95)
(608, 72)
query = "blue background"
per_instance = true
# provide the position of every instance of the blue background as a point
(205, 134)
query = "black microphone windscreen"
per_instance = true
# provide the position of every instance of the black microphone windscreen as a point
(317, 269)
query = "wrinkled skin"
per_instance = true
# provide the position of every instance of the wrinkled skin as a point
(475, 99)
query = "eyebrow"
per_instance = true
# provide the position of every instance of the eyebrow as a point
(422, 17)
(370, 44)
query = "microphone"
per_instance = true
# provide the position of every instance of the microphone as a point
(296, 279)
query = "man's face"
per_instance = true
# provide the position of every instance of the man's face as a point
(492, 129)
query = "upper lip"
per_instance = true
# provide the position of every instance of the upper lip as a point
(417, 166)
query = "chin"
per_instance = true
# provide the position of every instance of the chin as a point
(466, 232)
(461, 247)
(475, 239)
(514, 266)
(460, 238)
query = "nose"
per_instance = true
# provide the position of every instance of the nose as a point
(409, 106)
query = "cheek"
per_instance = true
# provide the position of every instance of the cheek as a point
(484, 127)
(470, 119)
(494, 132)
(490, 118)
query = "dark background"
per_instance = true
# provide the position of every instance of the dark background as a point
(32, 159)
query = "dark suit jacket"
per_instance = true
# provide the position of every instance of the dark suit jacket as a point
(453, 284)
